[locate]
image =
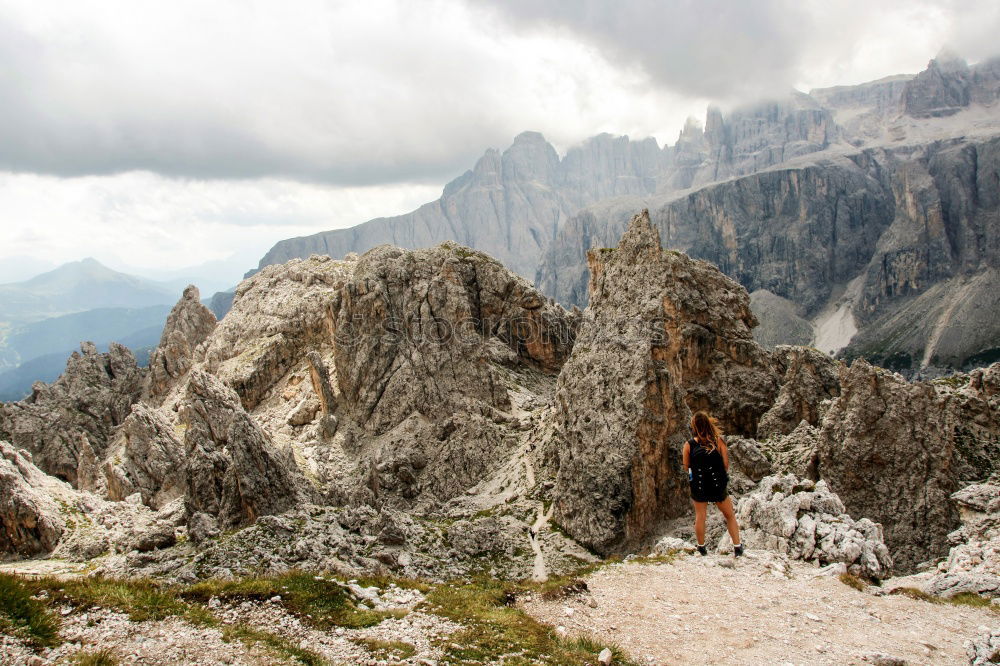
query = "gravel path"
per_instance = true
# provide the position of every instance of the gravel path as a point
(758, 610)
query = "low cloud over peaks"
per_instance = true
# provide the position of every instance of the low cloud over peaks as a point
(733, 52)
(709, 48)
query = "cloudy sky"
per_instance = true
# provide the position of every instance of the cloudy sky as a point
(162, 135)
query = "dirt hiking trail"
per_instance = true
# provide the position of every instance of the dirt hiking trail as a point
(760, 609)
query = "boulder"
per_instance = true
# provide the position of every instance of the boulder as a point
(806, 521)
(984, 649)
(746, 457)
(973, 563)
(31, 523)
(157, 534)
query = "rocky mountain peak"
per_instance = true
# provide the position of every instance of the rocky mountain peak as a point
(948, 60)
(530, 138)
(188, 325)
(943, 89)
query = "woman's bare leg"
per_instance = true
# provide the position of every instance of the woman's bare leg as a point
(726, 507)
(700, 513)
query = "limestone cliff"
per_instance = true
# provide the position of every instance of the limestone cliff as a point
(425, 342)
(187, 326)
(420, 409)
(915, 227)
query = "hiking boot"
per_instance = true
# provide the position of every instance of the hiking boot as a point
(738, 550)
(702, 550)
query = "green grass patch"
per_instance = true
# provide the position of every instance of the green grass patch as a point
(141, 599)
(317, 600)
(496, 630)
(850, 580)
(387, 649)
(24, 617)
(971, 599)
(593, 646)
(105, 657)
(962, 599)
(919, 595)
(272, 642)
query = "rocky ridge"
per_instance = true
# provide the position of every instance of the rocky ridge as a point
(865, 212)
(67, 425)
(430, 414)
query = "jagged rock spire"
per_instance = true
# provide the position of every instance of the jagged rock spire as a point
(188, 325)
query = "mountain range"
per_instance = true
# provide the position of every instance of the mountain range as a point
(862, 219)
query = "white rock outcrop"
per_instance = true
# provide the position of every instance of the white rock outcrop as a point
(806, 521)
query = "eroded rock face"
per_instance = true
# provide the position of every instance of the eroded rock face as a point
(810, 377)
(887, 448)
(424, 342)
(188, 324)
(973, 563)
(146, 457)
(942, 89)
(67, 425)
(30, 521)
(806, 521)
(413, 333)
(977, 430)
(278, 315)
(664, 335)
(232, 471)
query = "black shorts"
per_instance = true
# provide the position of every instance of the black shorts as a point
(710, 495)
(709, 485)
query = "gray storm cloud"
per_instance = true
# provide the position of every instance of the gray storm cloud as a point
(234, 95)
(740, 50)
(368, 92)
(719, 49)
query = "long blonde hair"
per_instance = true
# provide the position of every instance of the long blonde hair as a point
(706, 429)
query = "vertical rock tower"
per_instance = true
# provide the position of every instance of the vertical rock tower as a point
(663, 335)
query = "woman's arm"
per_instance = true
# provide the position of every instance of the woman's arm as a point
(687, 456)
(724, 450)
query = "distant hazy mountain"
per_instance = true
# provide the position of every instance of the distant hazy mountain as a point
(64, 334)
(45, 318)
(509, 204)
(76, 287)
(19, 268)
(209, 277)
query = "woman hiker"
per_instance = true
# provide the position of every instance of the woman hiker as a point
(706, 460)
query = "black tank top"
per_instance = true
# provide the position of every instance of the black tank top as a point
(703, 459)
